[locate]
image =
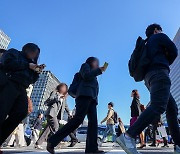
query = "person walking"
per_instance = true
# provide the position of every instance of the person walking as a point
(37, 127)
(121, 128)
(155, 124)
(136, 110)
(17, 73)
(161, 52)
(110, 124)
(57, 104)
(86, 102)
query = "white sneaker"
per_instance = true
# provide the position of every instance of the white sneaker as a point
(38, 147)
(128, 145)
(177, 149)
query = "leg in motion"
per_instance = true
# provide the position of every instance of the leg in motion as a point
(91, 141)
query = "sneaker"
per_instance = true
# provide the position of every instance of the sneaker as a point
(38, 147)
(128, 145)
(177, 149)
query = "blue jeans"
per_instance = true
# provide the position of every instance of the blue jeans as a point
(109, 129)
(158, 84)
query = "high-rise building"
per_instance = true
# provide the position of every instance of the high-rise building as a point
(4, 40)
(175, 75)
(46, 83)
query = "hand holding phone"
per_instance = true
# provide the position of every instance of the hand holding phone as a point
(105, 65)
(39, 68)
(103, 69)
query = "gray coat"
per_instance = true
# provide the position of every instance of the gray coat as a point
(89, 84)
(58, 107)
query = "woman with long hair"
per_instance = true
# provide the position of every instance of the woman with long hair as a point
(136, 110)
(86, 102)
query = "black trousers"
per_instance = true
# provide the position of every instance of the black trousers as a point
(13, 108)
(84, 106)
(73, 137)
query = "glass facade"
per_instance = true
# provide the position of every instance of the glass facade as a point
(175, 75)
(4, 40)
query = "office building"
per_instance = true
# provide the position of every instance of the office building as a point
(175, 75)
(46, 83)
(4, 40)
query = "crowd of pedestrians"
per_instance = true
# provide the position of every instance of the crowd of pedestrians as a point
(19, 69)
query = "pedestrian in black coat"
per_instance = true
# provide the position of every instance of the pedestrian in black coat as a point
(86, 102)
(17, 73)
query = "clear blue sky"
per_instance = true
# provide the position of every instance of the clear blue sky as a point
(69, 31)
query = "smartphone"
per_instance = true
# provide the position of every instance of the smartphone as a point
(42, 66)
(39, 68)
(105, 65)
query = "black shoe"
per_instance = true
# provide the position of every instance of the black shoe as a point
(152, 145)
(50, 149)
(142, 146)
(165, 146)
(73, 144)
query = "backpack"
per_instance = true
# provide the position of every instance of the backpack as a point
(139, 60)
(74, 85)
(115, 117)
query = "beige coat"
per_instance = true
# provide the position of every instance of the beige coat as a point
(109, 118)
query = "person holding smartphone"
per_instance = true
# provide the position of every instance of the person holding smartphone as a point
(17, 73)
(86, 102)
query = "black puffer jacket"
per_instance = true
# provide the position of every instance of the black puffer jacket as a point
(16, 66)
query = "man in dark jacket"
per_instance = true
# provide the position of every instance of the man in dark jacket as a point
(162, 52)
(18, 72)
(86, 102)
